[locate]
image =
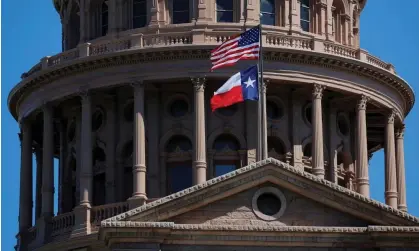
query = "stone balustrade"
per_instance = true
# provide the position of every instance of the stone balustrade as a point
(62, 223)
(271, 39)
(100, 213)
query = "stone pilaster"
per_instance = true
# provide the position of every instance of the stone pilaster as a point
(329, 22)
(200, 163)
(201, 14)
(362, 149)
(25, 196)
(153, 128)
(252, 11)
(322, 5)
(295, 15)
(401, 179)
(82, 211)
(139, 195)
(390, 163)
(48, 164)
(317, 133)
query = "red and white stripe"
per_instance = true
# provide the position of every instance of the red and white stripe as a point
(228, 53)
(229, 93)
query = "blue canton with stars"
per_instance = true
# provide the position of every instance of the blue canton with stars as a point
(249, 83)
(249, 37)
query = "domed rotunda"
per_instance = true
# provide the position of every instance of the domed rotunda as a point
(145, 164)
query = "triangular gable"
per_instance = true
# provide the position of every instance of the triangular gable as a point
(274, 171)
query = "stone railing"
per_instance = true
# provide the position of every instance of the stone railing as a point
(62, 223)
(171, 39)
(340, 50)
(103, 212)
(286, 41)
(179, 37)
(63, 57)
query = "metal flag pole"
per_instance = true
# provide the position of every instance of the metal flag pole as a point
(262, 137)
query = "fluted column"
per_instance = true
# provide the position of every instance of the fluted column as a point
(317, 138)
(200, 163)
(390, 156)
(362, 149)
(401, 179)
(139, 166)
(25, 197)
(48, 163)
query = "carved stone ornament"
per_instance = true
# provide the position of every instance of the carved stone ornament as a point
(199, 83)
(137, 84)
(390, 117)
(400, 132)
(362, 102)
(318, 91)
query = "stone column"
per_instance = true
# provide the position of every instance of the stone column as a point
(25, 196)
(82, 211)
(295, 123)
(38, 195)
(401, 179)
(61, 181)
(200, 163)
(390, 157)
(264, 130)
(48, 163)
(139, 195)
(362, 149)
(317, 133)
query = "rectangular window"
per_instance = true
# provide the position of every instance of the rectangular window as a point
(180, 11)
(225, 166)
(139, 13)
(99, 187)
(267, 9)
(305, 15)
(225, 11)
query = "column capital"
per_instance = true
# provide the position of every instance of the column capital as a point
(400, 132)
(84, 94)
(137, 84)
(199, 83)
(391, 116)
(318, 91)
(265, 84)
(362, 102)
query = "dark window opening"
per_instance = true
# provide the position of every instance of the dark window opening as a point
(268, 204)
(180, 11)
(267, 9)
(139, 15)
(179, 176)
(305, 15)
(179, 108)
(307, 150)
(104, 19)
(226, 142)
(99, 189)
(225, 11)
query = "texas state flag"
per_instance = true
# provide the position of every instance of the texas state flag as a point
(238, 88)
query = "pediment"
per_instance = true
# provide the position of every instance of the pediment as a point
(328, 203)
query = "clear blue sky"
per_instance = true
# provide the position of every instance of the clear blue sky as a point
(32, 30)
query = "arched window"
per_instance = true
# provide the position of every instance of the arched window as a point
(139, 13)
(276, 148)
(179, 164)
(267, 10)
(307, 150)
(305, 15)
(180, 13)
(225, 11)
(98, 155)
(104, 18)
(226, 157)
(338, 21)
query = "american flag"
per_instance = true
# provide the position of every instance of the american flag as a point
(243, 46)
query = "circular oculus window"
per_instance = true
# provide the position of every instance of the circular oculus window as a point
(269, 203)
(179, 108)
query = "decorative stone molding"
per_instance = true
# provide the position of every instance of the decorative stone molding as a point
(318, 91)
(334, 187)
(400, 132)
(391, 116)
(362, 103)
(199, 83)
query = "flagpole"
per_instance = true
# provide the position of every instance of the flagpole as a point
(262, 137)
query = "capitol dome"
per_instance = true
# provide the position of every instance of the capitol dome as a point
(145, 164)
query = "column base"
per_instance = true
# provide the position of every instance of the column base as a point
(391, 198)
(402, 208)
(136, 201)
(363, 186)
(319, 172)
(82, 225)
(200, 172)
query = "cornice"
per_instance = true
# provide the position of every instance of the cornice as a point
(83, 65)
(333, 187)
